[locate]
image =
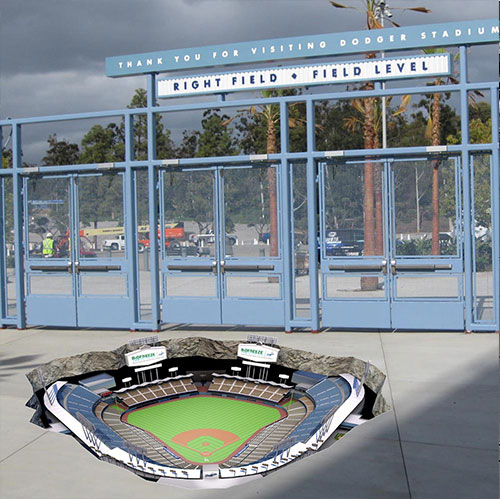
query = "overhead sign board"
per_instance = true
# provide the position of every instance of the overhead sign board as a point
(318, 74)
(145, 356)
(330, 44)
(251, 351)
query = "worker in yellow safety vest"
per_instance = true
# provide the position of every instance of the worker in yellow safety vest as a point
(48, 246)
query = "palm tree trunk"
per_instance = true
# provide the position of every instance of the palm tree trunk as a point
(271, 179)
(379, 215)
(436, 133)
(369, 283)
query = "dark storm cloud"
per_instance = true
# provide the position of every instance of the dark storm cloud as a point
(52, 52)
(54, 35)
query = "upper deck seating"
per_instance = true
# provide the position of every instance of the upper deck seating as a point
(153, 390)
(266, 390)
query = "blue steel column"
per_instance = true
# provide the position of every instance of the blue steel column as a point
(495, 209)
(131, 222)
(18, 225)
(3, 263)
(153, 201)
(468, 222)
(286, 213)
(312, 223)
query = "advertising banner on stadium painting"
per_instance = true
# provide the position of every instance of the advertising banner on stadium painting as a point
(251, 351)
(145, 356)
(316, 74)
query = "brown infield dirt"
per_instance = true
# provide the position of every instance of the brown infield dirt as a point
(224, 436)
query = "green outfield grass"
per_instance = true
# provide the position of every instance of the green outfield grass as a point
(204, 429)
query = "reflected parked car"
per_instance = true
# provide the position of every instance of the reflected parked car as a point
(345, 242)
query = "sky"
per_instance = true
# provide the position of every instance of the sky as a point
(52, 52)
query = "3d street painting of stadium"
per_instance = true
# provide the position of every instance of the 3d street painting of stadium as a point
(201, 413)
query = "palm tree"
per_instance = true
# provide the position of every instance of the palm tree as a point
(353, 123)
(269, 115)
(375, 11)
(433, 133)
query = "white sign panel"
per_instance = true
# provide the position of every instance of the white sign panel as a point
(145, 356)
(251, 351)
(318, 74)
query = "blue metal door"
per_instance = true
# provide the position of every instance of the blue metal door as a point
(426, 268)
(355, 283)
(227, 266)
(75, 282)
(379, 267)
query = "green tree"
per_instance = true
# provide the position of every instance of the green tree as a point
(216, 138)
(480, 133)
(164, 145)
(61, 152)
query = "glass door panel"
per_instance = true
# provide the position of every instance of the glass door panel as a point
(353, 245)
(8, 304)
(485, 234)
(190, 246)
(50, 286)
(249, 223)
(426, 261)
(101, 272)
(251, 269)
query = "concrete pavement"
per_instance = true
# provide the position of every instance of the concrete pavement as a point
(439, 441)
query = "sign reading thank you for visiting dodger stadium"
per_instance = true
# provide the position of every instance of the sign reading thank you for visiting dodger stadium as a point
(330, 44)
(319, 74)
(252, 351)
(145, 356)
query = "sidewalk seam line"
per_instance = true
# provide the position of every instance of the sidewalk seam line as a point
(395, 417)
(21, 448)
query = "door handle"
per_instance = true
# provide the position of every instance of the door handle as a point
(382, 267)
(214, 267)
(249, 267)
(77, 267)
(421, 267)
(192, 268)
(99, 268)
(70, 266)
(393, 266)
(222, 267)
(51, 268)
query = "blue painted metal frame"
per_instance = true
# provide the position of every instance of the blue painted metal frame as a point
(222, 308)
(285, 158)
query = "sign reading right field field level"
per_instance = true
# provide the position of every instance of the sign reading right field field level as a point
(315, 74)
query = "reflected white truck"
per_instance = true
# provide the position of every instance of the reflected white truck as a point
(114, 244)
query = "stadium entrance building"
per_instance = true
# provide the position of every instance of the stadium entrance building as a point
(308, 238)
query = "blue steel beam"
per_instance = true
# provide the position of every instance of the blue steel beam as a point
(18, 226)
(495, 207)
(467, 207)
(131, 222)
(153, 202)
(249, 102)
(227, 160)
(312, 219)
(287, 251)
(3, 255)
